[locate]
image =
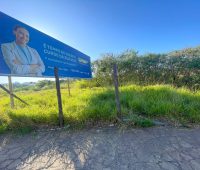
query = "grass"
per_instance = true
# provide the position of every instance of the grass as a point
(139, 103)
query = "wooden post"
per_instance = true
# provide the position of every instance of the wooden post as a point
(11, 92)
(68, 87)
(61, 117)
(116, 83)
(7, 91)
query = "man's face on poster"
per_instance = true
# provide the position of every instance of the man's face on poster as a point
(22, 36)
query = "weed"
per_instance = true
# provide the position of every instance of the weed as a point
(98, 104)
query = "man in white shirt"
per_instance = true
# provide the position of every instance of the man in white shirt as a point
(20, 58)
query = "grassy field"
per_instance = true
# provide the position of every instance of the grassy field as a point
(140, 104)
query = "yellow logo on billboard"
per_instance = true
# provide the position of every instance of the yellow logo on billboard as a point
(82, 61)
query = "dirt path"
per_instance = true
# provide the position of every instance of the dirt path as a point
(107, 148)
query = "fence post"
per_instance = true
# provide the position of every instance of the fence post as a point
(61, 117)
(11, 92)
(116, 83)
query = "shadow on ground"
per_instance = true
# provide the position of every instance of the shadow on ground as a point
(103, 148)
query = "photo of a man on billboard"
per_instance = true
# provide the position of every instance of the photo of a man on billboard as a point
(19, 57)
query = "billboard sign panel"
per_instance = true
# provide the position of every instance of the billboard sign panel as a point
(26, 51)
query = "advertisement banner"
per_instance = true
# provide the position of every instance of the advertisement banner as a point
(28, 52)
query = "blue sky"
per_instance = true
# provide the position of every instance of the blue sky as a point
(96, 27)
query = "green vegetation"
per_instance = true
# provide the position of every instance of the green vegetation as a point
(139, 103)
(166, 87)
(40, 85)
(178, 68)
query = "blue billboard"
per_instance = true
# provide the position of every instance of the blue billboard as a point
(28, 52)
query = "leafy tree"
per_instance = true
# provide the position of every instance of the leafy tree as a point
(179, 68)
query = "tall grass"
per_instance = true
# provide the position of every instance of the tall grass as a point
(98, 104)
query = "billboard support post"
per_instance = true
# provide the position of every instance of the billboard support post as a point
(68, 87)
(11, 92)
(61, 117)
(7, 91)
